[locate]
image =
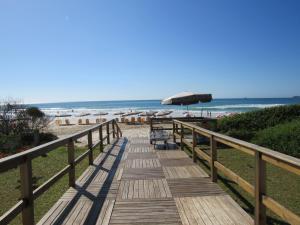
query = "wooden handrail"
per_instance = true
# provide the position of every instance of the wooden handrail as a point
(261, 154)
(243, 145)
(24, 160)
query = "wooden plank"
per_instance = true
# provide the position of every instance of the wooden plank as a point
(107, 133)
(184, 172)
(144, 155)
(203, 155)
(211, 210)
(155, 211)
(142, 163)
(235, 178)
(159, 189)
(101, 138)
(27, 192)
(71, 158)
(190, 187)
(106, 212)
(194, 146)
(281, 211)
(176, 162)
(260, 189)
(214, 158)
(142, 174)
(44, 187)
(7, 217)
(172, 154)
(281, 164)
(90, 146)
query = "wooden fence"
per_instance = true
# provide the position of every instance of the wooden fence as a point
(155, 123)
(24, 161)
(262, 155)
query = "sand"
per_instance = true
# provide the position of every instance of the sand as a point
(127, 130)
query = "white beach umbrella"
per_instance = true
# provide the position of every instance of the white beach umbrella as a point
(149, 113)
(163, 113)
(119, 113)
(101, 114)
(131, 114)
(187, 98)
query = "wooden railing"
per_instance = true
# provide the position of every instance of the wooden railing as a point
(24, 161)
(262, 155)
(160, 123)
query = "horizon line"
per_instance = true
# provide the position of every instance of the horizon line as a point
(80, 101)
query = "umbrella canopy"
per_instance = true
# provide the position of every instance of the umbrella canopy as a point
(187, 98)
(149, 113)
(119, 113)
(164, 113)
(131, 114)
(83, 114)
(101, 114)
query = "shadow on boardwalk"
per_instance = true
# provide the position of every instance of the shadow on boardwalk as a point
(98, 200)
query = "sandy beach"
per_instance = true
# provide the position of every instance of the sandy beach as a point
(128, 130)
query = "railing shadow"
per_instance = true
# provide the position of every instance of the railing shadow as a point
(98, 201)
(249, 206)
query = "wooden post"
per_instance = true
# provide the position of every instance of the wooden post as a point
(181, 137)
(71, 158)
(194, 146)
(90, 146)
(27, 192)
(214, 157)
(174, 137)
(260, 189)
(151, 125)
(114, 129)
(107, 132)
(101, 138)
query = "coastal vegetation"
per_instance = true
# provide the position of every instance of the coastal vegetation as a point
(21, 127)
(277, 128)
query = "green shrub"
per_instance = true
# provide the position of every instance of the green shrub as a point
(47, 137)
(284, 138)
(247, 124)
(9, 143)
(241, 134)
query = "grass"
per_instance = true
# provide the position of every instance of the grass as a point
(282, 186)
(43, 169)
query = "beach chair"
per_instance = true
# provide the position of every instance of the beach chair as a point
(147, 119)
(87, 122)
(67, 121)
(126, 120)
(98, 121)
(132, 120)
(80, 122)
(142, 120)
(117, 120)
(139, 119)
(122, 120)
(58, 122)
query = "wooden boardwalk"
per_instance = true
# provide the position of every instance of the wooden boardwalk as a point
(131, 183)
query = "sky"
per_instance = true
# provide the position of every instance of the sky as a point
(87, 50)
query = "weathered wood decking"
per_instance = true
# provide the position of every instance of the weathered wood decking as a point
(131, 183)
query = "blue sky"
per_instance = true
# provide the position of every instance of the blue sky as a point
(58, 50)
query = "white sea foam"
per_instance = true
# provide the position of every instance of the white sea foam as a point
(237, 106)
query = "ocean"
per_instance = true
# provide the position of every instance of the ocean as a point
(216, 108)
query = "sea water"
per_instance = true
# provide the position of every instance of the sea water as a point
(215, 108)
